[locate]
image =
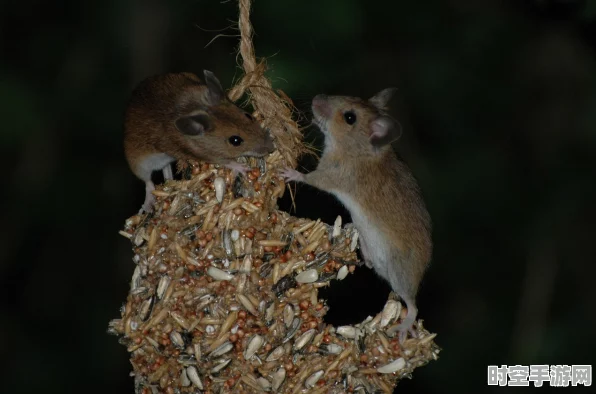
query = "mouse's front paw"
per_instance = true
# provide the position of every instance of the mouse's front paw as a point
(290, 174)
(237, 168)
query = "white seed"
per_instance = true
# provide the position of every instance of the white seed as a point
(222, 349)
(162, 286)
(337, 227)
(235, 234)
(276, 354)
(390, 311)
(304, 339)
(184, 380)
(247, 304)
(253, 346)
(342, 273)
(354, 241)
(278, 378)
(288, 315)
(313, 379)
(194, 377)
(307, 276)
(220, 188)
(348, 331)
(393, 366)
(264, 383)
(218, 274)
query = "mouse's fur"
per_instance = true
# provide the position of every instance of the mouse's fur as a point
(178, 116)
(360, 168)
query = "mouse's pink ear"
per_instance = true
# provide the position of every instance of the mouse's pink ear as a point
(381, 99)
(384, 130)
(216, 92)
(193, 125)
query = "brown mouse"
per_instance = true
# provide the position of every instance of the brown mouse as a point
(359, 167)
(177, 116)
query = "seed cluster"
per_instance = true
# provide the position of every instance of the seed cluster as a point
(224, 295)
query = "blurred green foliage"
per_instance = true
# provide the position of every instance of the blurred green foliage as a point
(498, 103)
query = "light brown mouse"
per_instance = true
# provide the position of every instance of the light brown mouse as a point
(360, 168)
(177, 116)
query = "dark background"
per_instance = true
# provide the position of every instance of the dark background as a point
(498, 103)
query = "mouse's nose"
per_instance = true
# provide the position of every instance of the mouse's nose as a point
(320, 105)
(269, 147)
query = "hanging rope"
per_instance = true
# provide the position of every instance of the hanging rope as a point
(274, 111)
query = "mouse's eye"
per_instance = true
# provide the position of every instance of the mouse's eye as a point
(249, 116)
(350, 117)
(236, 140)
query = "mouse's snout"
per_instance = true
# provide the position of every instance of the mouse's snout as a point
(268, 147)
(320, 105)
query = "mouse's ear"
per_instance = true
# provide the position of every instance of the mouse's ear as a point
(193, 125)
(381, 99)
(384, 130)
(216, 92)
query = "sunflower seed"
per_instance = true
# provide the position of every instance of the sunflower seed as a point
(278, 378)
(184, 380)
(227, 243)
(276, 354)
(313, 379)
(293, 329)
(222, 349)
(162, 286)
(146, 308)
(254, 344)
(176, 339)
(193, 376)
(264, 383)
(284, 284)
(288, 315)
(221, 364)
(304, 339)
